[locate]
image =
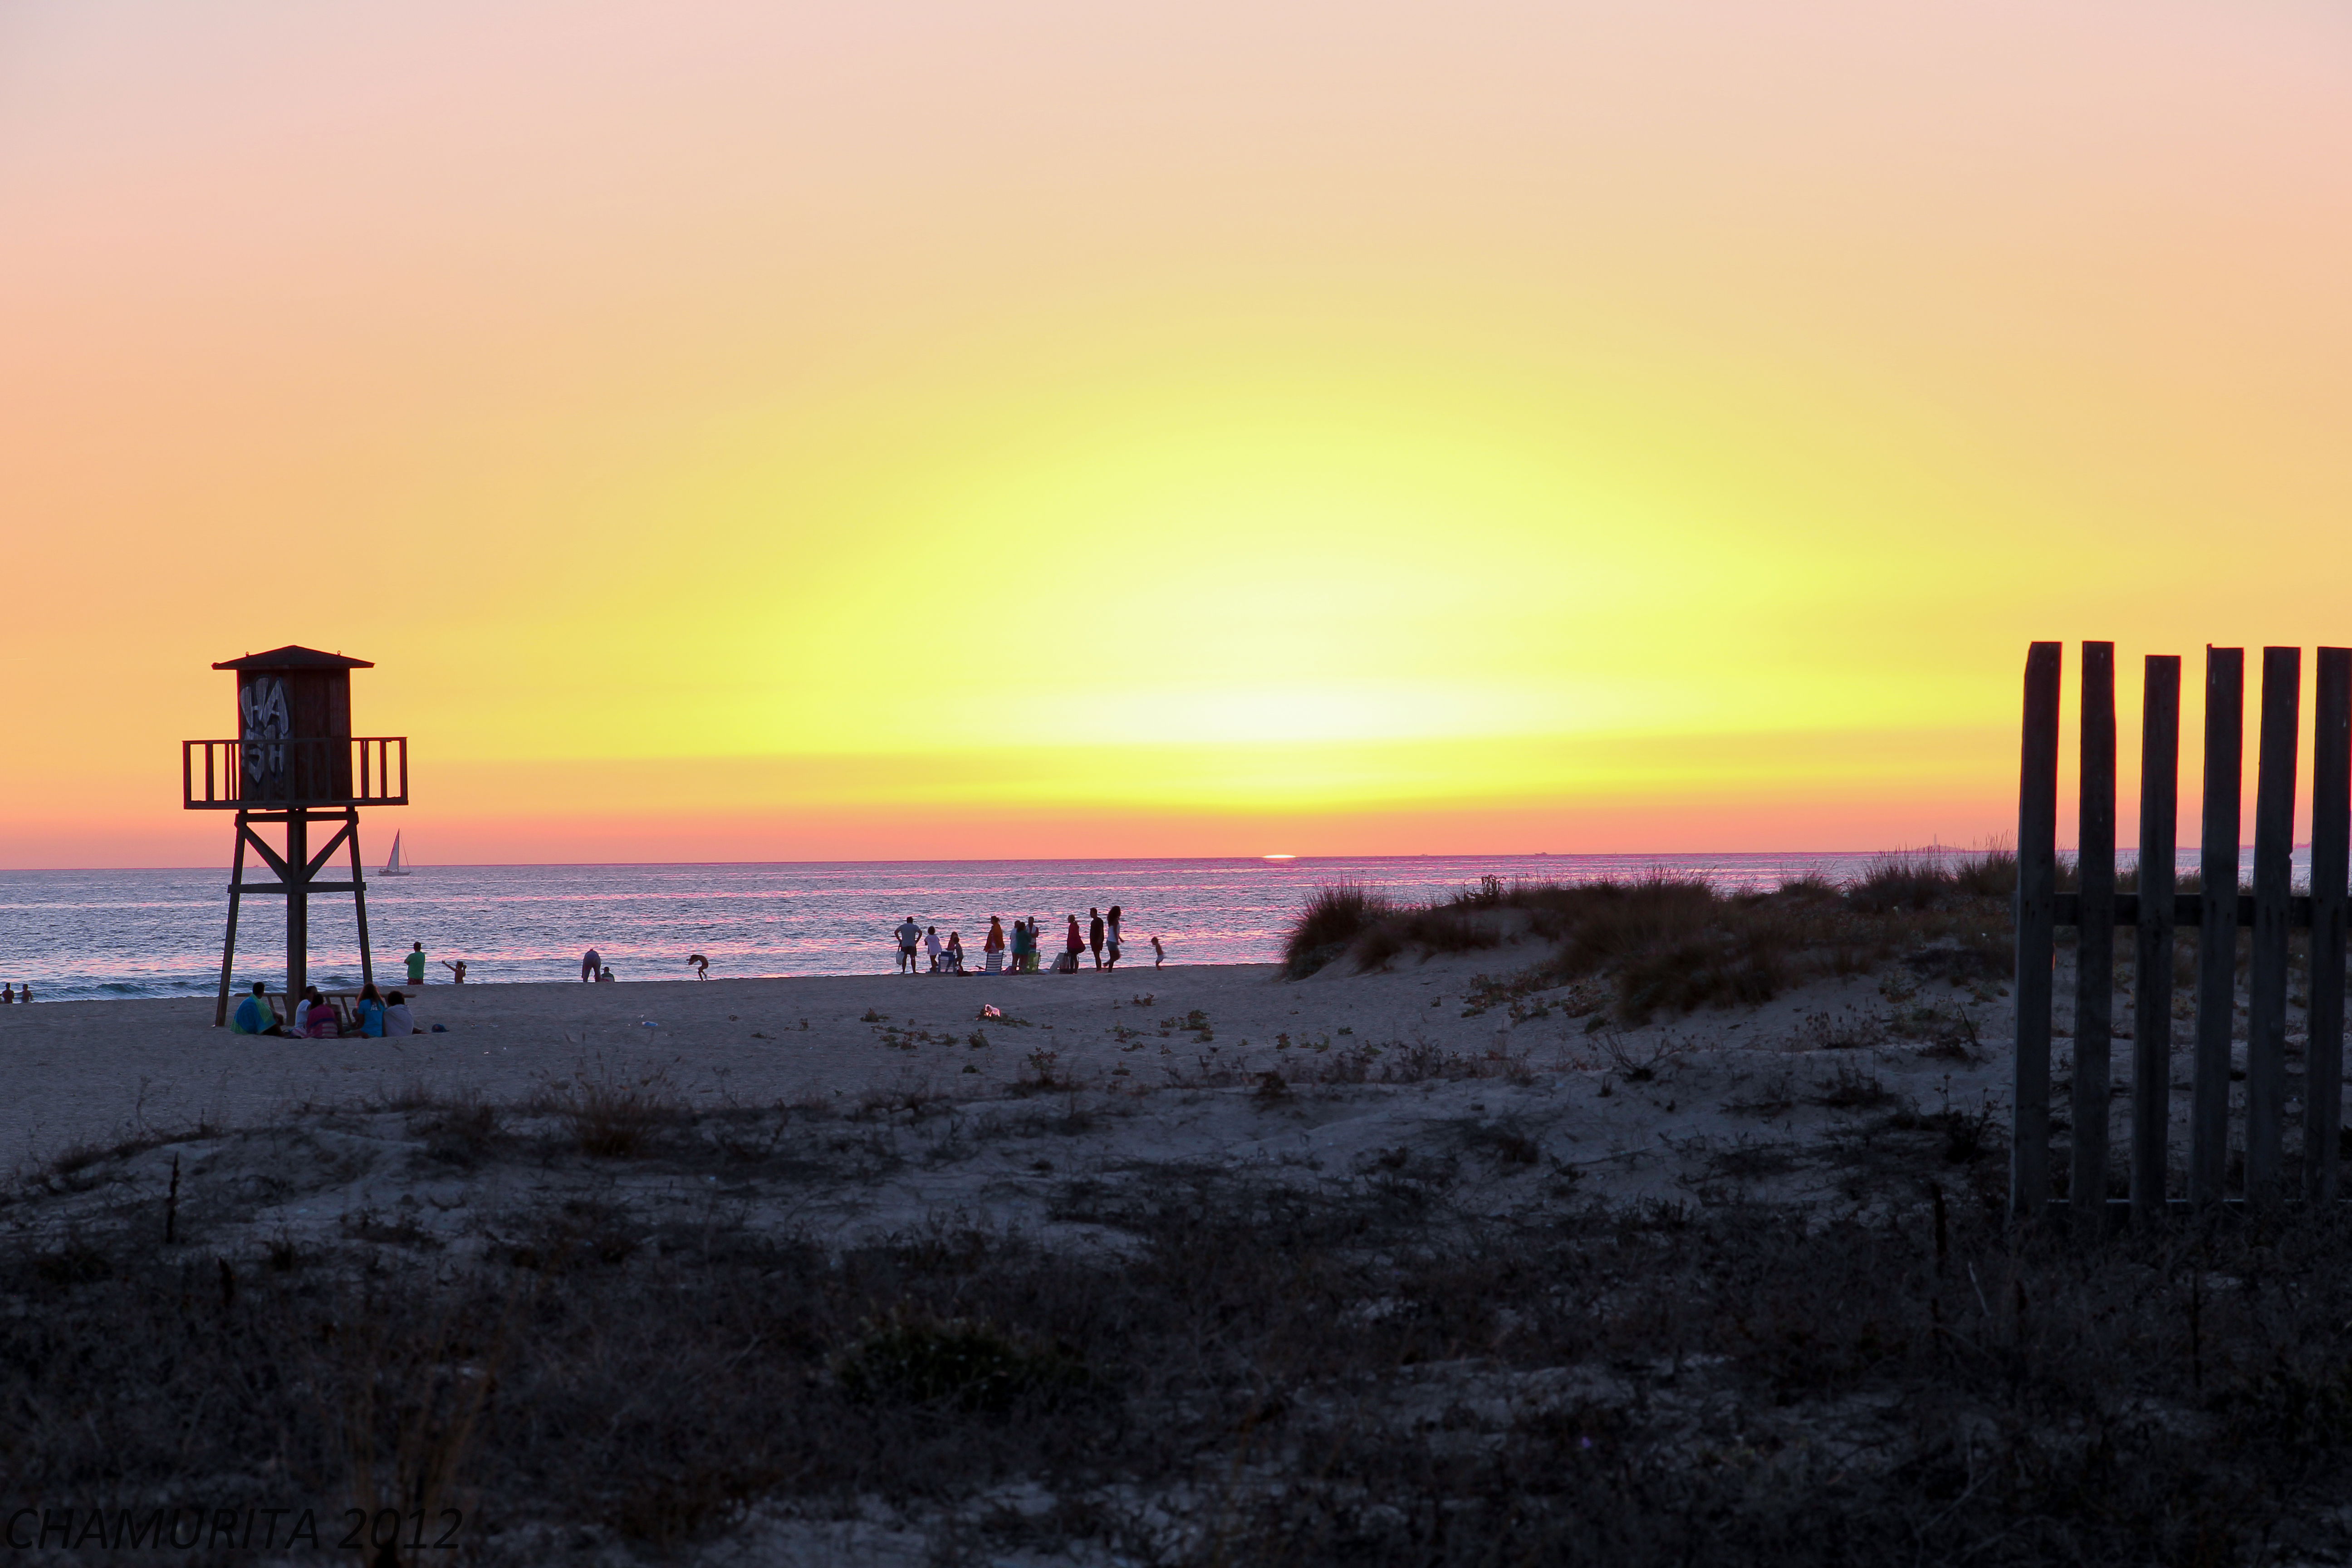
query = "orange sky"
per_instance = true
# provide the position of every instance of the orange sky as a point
(914, 429)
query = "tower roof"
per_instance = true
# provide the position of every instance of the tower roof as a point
(293, 658)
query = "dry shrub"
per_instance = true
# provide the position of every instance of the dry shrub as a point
(1669, 944)
(610, 1114)
(973, 1365)
(1335, 916)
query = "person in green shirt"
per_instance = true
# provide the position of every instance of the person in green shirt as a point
(417, 964)
(255, 1016)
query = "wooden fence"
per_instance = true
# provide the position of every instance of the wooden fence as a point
(2156, 910)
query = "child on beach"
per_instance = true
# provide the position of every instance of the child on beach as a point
(955, 952)
(397, 1019)
(1159, 954)
(456, 970)
(932, 947)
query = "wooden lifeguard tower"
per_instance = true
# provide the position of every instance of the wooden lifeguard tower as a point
(295, 762)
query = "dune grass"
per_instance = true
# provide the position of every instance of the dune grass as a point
(1674, 943)
(1371, 1373)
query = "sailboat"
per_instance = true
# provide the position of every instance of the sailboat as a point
(393, 868)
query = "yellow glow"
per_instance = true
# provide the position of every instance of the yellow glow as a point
(938, 430)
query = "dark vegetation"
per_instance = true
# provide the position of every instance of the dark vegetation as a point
(1254, 1374)
(1672, 944)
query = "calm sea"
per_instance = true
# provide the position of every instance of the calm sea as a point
(82, 934)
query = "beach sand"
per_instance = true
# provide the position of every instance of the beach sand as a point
(639, 1150)
(1673, 1109)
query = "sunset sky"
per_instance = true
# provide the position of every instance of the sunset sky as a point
(1038, 427)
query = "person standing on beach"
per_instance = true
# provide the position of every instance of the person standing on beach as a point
(417, 964)
(1110, 937)
(993, 947)
(1160, 953)
(1094, 934)
(1073, 944)
(932, 947)
(909, 933)
(590, 963)
(458, 971)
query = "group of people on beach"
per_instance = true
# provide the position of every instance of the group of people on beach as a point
(1020, 952)
(373, 1016)
(8, 995)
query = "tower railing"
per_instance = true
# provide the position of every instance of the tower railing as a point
(304, 770)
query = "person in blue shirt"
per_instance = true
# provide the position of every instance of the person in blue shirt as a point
(255, 1016)
(371, 1011)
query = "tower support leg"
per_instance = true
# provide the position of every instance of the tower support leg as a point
(228, 944)
(359, 897)
(298, 906)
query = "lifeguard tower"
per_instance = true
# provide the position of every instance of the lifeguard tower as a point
(295, 763)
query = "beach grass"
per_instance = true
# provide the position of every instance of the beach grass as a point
(1250, 1375)
(1672, 944)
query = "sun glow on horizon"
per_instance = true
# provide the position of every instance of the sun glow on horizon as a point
(945, 431)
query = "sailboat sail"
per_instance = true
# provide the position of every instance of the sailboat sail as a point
(393, 868)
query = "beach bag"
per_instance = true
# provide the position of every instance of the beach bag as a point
(1066, 965)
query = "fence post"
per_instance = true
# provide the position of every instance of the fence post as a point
(2273, 874)
(2159, 806)
(2037, 898)
(2217, 930)
(2094, 953)
(2331, 837)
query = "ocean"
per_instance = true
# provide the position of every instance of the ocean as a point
(88, 934)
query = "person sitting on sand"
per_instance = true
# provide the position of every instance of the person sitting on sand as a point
(604, 975)
(255, 1016)
(417, 964)
(371, 1011)
(1159, 954)
(699, 964)
(955, 952)
(456, 970)
(319, 1019)
(397, 1019)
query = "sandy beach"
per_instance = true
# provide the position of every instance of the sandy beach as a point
(1185, 1050)
(791, 1251)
